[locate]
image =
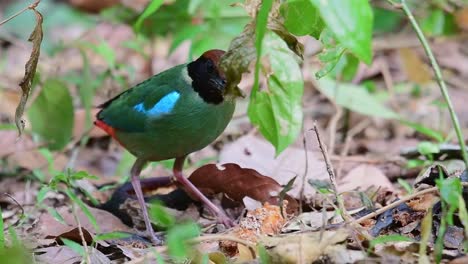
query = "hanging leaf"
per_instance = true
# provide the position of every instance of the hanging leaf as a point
(355, 98)
(351, 23)
(277, 112)
(30, 71)
(51, 114)
(302, 18)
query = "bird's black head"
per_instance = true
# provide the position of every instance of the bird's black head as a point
(207, 80)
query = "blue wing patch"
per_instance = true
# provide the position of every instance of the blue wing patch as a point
(163, 106)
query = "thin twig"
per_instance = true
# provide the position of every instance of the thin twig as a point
(31, 6)
(332, 176)
(438, 74)
(397, 203)
(306, 171)
(80, 230)
(22, 211)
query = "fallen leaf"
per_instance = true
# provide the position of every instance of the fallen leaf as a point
(363, 177)
(48, 226)
(416, 70)
(266, 220)
(10, 145)
(236, 183)
(302, 248)
(461, 18)
(255, 153)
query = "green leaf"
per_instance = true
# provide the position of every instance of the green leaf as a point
(450, 189)
(260, 30)
(355, 98)
(428, 148)
(177, 237)
(150, 9)
(388, 238)
(42, 193)
(51, 114)
(438, 23)
(277, 112)
(263, 254)
(158, 215)
(405, 185)
(386, 20)
(111, 236)
(351, 22)
(56, 215)
(302, 18)
(105, 51)
(438, 136)
(74, 246)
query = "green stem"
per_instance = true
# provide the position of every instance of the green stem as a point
(438, 75)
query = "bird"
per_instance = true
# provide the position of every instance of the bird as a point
(170, 115)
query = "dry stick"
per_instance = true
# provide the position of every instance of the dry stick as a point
(31, 6)
(304, 176)
(80, 230)
(19, 205)
(438, 74)
(331, 174)
(397, 203)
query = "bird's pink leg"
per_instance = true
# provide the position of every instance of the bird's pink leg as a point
(135, 178)
(189, 187)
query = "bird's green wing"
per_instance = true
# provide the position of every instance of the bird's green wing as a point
(131, 110)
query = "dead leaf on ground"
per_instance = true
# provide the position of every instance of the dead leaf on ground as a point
(48, 226)
(264, 221)
(461, 18)
(10, 145)
(64, 254)
(416, 70)
(302, 248)
(362, 177)
(236, 183)
(252, 152)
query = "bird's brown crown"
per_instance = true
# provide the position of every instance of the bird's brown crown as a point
(207, 79)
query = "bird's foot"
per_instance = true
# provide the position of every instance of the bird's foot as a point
(224, 219)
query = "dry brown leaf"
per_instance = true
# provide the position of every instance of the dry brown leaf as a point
(363, 177)
(57, 254)
(48, 226)
(461, 18)
(302, 248)
(252, 152)
(10, 145)
(236, 183)
(93, 6)
(416, 70)
(266, 220)
(30, 70)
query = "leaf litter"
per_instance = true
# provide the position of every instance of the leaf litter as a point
(251, 163)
